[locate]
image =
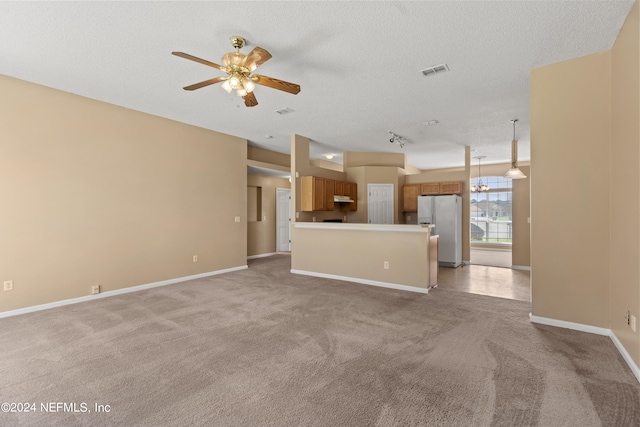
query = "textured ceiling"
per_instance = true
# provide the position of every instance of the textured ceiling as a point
(358, 64)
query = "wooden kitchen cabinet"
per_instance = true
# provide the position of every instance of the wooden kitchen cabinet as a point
(410, 192)
(454, 187)
(437, 188)
(329, 192)
(353, 195)
(317, 194)
(312, 194)
(410, 195)
(429, 189)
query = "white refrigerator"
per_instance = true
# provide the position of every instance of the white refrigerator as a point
(445, 213)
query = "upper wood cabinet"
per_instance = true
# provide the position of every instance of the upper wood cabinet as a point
(329, 191)
(317, 194)
(453, 187)
(312, 194)
(411, 192)
(410, 195)
(353, 195)
(429, 188)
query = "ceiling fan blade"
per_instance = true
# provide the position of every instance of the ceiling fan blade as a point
(276, 84)
(256, 58)
(250, 100)
(205, 83)
(195, 58)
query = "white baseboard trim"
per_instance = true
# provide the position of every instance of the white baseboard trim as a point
(570, 325)
(625, 355)
(116, 292)
(593, 330)
(262, 255)
(521, 267)
(363, 281)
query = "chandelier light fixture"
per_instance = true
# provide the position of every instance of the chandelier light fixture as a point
(514, 172)
(479, 186)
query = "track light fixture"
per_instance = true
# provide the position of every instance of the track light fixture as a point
(395, 138)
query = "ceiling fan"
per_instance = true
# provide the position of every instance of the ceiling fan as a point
(239, 67)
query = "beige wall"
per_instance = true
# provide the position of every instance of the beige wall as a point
(570, 201)
(521, 246)
(261, 235)
(268, 156)
(625, 183)
(326, 164)
(99, 194)
(361, 254)
(411, 170)
(352, 159)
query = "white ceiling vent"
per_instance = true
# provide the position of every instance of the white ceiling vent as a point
(436, 69)
(284, 111)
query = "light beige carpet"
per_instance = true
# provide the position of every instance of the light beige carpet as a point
(265, 347)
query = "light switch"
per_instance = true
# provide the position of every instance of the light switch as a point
(237, 219)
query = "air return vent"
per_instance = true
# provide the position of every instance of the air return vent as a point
(284, 111)
(436, 69)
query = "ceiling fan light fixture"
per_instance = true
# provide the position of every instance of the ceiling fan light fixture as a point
(238, 68)
(248, 84)
(232, 59)
(234, 81)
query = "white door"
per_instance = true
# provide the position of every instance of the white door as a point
(380, 203)
(283, 219)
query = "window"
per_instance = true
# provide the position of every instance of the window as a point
(491, 212)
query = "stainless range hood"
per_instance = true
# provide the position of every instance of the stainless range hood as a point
(342, 199)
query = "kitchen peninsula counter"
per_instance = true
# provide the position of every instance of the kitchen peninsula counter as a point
(360, 253)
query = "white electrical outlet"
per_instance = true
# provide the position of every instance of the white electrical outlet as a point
(297, 214)
(408, 217)
(237, 219)
(386, 265)
(264, 218)
(195, 258)
(314, 219)
(95, 289)
(633, 323)
(8, 285)
(345, 219)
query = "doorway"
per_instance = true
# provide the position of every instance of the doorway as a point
(380, 203)
(283, 219)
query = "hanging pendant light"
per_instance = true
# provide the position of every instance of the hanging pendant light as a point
(479, 186)
(514, 172)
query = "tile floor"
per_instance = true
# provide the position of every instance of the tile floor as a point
(484, 280)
